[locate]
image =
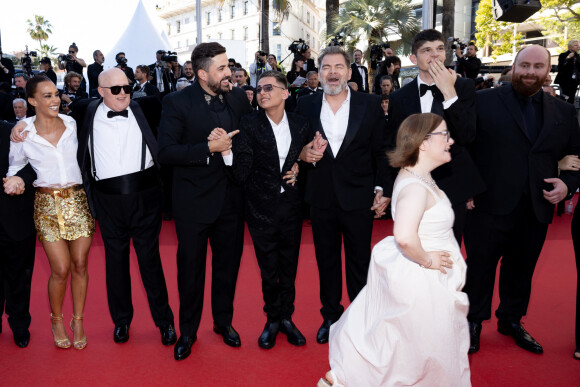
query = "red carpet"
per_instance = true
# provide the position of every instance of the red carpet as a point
(145, 361)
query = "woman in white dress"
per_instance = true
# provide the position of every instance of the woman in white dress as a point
(61, 214)
(408, 325)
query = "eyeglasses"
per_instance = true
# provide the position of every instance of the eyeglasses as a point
(72, 52)
(267, 88)
(443, 133)
(115, 90)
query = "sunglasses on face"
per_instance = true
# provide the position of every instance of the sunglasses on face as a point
(267, 88)
(115, 90)
(72, 52)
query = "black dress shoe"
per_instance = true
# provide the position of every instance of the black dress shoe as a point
(294, 336)
(231, 337)
(21, 338)
(474, 333)
(183, 347)
(268, 337)
(521, 336)
(121, 333)
(322, 335)
(168, 336)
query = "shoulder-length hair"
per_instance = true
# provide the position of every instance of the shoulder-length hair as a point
(410, 136)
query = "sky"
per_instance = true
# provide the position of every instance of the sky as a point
(91, 25)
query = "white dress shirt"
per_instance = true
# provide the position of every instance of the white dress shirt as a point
(283, 139)
(335, 125)
(118, 144)
(55, 167)
(427, 99)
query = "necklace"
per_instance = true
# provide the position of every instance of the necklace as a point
(424, 180)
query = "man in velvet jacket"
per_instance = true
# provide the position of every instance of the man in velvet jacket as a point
(17, 243)
(207, 202)
(343, 180)
(521, 134)
(265, 155)
(438, 90)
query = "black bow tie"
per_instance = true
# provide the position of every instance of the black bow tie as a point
(124, 113)
(434, 89)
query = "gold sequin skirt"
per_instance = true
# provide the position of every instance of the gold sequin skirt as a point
(62, 214)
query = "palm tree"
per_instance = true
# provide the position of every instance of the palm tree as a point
(332, 8)
(369, 22)
(281, 10)
(39, 29)
(448, 23)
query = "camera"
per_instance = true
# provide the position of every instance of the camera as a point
(121, 61)
(336, 41)
(377, 53)
(26, 61)
(298, 47)
(169, 57)
(262, 53)
(456, 42)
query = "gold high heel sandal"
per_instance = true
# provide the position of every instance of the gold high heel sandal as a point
(59, 343)
(82, 343)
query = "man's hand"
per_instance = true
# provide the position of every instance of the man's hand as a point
(380, 204)
(13, 185)
(558, 193)
(224, 141)
(16, 135)
(391, 69)
(65, 98)
(292, 175)
(309, 153)
(444, 79)
(458, 52)
(569, 163)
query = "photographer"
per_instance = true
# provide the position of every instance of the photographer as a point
(93, 72)
(46, 66)
(71, 92)
(258, 67)
(70, 63)
(568, 70)
(390, 66)
(160, 72)
(6, 69)
(122, 64)
(176, 72)
(20, 81)
(468, 65)
(309, 63)
(273, 62)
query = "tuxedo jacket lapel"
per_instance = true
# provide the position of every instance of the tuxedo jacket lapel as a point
(145, 130)
(549, 110)
(355, 116)
(411, 98)
(295, 146)
(316, 110)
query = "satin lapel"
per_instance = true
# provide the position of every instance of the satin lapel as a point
(513, 107)
(355, 116)
(295, 145)
(411, 98)
(145, 130)
(88, 130)
(549, 110)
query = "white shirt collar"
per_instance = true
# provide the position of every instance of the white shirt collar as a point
(420, 81)
(284, 120)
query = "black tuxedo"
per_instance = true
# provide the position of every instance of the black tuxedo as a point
(308, 91)
(274, 218)
(358, 79)
(207, 202)
(128, 208)
(459, 178)
(149, 89)
(17, 241)
(339, 189)
(93, 71)
(511, 217)
(568, 74)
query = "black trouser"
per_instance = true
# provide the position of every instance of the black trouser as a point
(226, 237)
(569, 89)
(277, 249)
(576, 242)
(329, 227)
(135, 216)
(517, 238)
(460, 212)
(16, 265)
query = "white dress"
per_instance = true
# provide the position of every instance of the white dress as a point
(408, 325)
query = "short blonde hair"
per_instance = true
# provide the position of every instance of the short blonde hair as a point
(571, 42)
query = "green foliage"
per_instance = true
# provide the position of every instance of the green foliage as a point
(39, 28)
(557, 17)
(377, 21)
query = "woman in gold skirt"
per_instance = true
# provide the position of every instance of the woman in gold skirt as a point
(61, 213)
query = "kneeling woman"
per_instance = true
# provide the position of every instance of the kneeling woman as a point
(61, 212)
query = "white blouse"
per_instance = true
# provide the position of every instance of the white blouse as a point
(55, 167)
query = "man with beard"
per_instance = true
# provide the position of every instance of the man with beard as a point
(93, 71)
(517, 148)
(188, 72)
(143, 87)
(438, 90)
(71, 92)
(207, 203)
(341, 180)
(468, 65)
